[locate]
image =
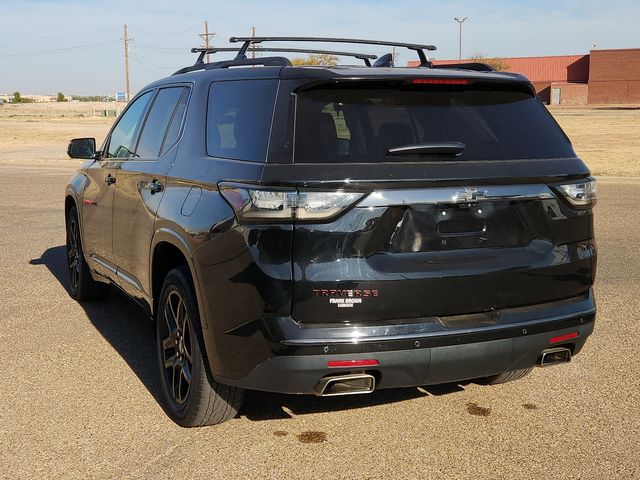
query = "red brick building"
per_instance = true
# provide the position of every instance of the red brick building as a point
(614, 76)
(600, 77)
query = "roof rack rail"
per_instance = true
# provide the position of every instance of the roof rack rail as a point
(249, 41)
(361, 56)
(249, 44)
(264, 61)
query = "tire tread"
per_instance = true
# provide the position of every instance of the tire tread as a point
(505, 377)
(213, 402)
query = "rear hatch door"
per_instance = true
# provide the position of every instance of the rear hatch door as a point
(419, 246)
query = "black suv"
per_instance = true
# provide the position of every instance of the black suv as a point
(332, 230)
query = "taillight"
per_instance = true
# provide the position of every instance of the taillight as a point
(582, 194)
(279, 205)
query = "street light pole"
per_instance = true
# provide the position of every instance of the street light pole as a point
(460, 22)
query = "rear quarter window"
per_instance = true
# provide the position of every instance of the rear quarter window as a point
(358, 124)
(161, 114)
(239, 116)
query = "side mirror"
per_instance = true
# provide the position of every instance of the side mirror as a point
(82, 148)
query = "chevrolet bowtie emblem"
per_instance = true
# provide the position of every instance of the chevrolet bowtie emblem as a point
(469, 195)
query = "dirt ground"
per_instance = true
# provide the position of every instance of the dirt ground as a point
(41, 131)
(80, 388)
(608, 139)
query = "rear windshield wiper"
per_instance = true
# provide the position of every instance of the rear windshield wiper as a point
(434, 148)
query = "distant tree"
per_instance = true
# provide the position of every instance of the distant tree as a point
(498, 64)
(16, 97)
(316, 59)
(60, 97)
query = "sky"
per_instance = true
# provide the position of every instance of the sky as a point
(75, 46)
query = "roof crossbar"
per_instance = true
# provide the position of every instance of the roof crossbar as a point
(249, 41)
(361, 56)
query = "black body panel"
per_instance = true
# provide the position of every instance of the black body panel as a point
(462, 289)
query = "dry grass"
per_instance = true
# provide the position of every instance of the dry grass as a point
(608, 139)
(41, 131)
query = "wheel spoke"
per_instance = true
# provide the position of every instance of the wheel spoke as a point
(187, 339)
(170, 341)
(73, 234)
(172, 361)
(173, 309)
(173, 383)
(186, 372)
(167, 315)
(179, 396)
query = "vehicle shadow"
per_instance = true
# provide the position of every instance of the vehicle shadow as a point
(119, 320)
(124, 325)
(260, 406)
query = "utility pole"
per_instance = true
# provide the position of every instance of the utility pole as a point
(394, 55)
(205, 36)
(253, 34)
(460, 22)
(126, 62)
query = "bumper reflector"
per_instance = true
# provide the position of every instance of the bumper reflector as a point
(562, 338)
(352, 363)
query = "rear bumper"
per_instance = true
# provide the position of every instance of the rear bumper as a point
(418, 353)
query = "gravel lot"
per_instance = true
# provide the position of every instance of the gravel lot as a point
(79, 385)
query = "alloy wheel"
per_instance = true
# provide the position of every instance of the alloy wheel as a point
(175, 335)
(73, 252)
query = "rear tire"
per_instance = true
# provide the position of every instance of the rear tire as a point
(82, 286)
(192, 398)
(505, 377)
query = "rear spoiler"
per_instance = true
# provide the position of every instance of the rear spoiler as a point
(474, 66)
(515, 80)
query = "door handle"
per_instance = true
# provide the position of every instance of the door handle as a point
(109, 180)
(153, 186)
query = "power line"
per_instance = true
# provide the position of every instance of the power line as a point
(58, 50)
(87, 34)
(141, 59)
(171, 49)
(164, 33)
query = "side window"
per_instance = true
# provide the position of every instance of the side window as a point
(239, 116)
(155, 126)
(173, 132)
(122, 136)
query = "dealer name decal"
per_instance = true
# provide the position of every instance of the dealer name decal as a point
(346, 298)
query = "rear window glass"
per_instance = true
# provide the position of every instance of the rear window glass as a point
(239, 118)
(360, 125)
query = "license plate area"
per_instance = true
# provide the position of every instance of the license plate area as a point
(443, 227)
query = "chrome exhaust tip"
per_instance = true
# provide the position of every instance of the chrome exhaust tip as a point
(553, 356)
(349, 384)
